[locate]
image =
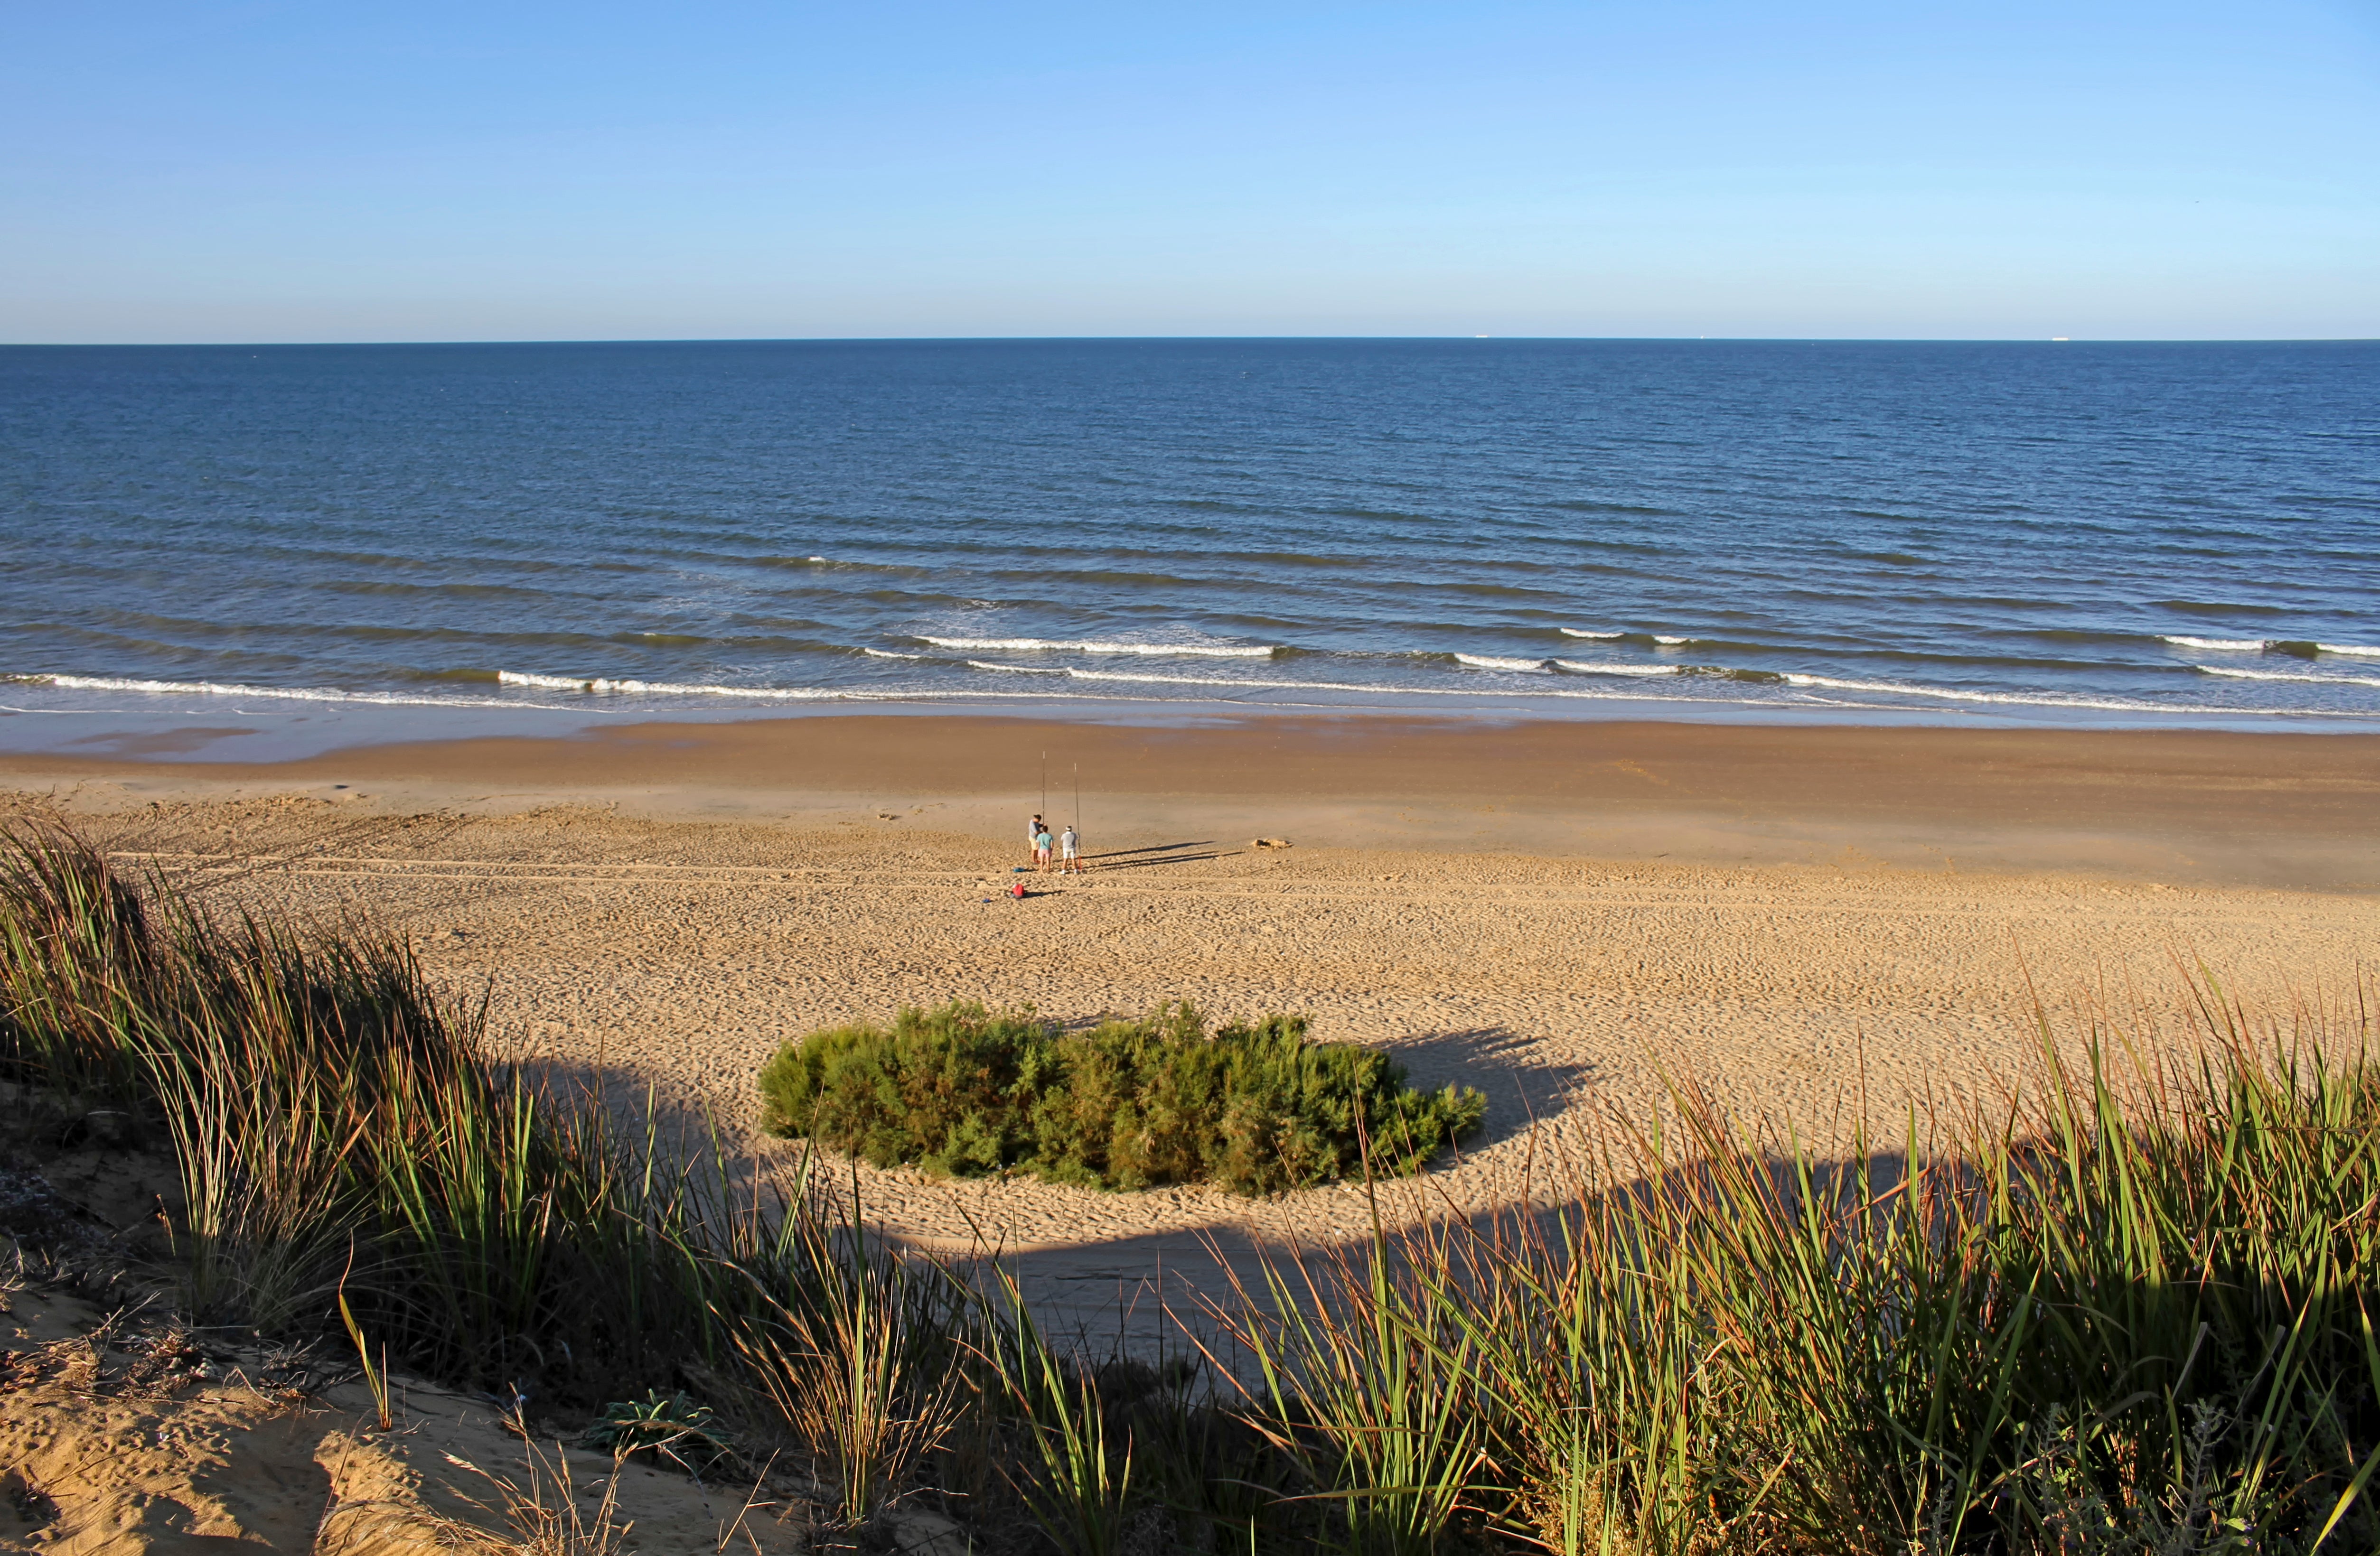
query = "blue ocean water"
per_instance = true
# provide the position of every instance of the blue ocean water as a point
(2071, 533)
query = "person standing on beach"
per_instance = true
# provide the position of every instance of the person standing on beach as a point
(1070, 844)
(1042, 851)
(1033, 830)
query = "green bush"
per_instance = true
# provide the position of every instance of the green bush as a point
(964, 1090)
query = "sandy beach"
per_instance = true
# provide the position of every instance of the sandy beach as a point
(1558, 914)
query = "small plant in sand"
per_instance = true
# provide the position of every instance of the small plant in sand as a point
(661, 1426)
(1128, 1105)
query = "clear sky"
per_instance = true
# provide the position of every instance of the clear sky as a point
(181, 169)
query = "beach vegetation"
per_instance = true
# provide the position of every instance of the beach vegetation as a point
(1258, 1108)
(2128, 1306)
(2131, 1308)
(675, 1427)
(353, 1156)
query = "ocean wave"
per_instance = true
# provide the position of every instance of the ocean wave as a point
(1096, 645)
(1662, 640)
(282, 693)
(2285, 675)
(1584, 668)
(1016, 670)
(1709, 672)
(2028, 699)
(1728, 673)
(1493, 662)
(2300, 648)
(1238, 683)
(889, 653)
(606, 686)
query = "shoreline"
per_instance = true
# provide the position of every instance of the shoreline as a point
(2283, 809)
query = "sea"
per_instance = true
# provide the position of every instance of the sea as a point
(345, 542)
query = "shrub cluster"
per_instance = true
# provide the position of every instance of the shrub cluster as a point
(1127, 1104)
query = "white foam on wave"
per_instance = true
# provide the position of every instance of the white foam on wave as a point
(2231, 674)
(278, 694)
(1582, 632)
(605, 686)
(1582, 668)
(2023, 699)
(1141, 677)
(601, 686)
(1495, 661)
(1885, 688)
(889, 653)
(1096, 645)
(2260, 645)
(1670, 642)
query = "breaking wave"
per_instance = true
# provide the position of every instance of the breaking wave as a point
(1493, 662)
(1096, 645)
(281, 693)
(605, 686)
(1244, 683)
(2028, 699)
(2300, 648)
(2285, 675)
(1582, 668)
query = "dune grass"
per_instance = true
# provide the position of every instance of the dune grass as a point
(2130, 1309)
(964, 1091)
(349, 1150)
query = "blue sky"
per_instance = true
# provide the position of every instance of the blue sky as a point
(189, 170)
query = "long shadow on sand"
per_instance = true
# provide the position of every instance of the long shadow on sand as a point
(1132, 1295)
(1164, 853)
(1521, 1087)
(1152, 1297)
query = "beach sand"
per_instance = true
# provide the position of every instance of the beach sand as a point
(1806, 920)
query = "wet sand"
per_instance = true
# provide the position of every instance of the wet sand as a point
(2276, 809)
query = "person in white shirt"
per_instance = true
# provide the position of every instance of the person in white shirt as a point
(1070, 843)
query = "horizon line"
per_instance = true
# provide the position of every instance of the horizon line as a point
(1285, 339)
